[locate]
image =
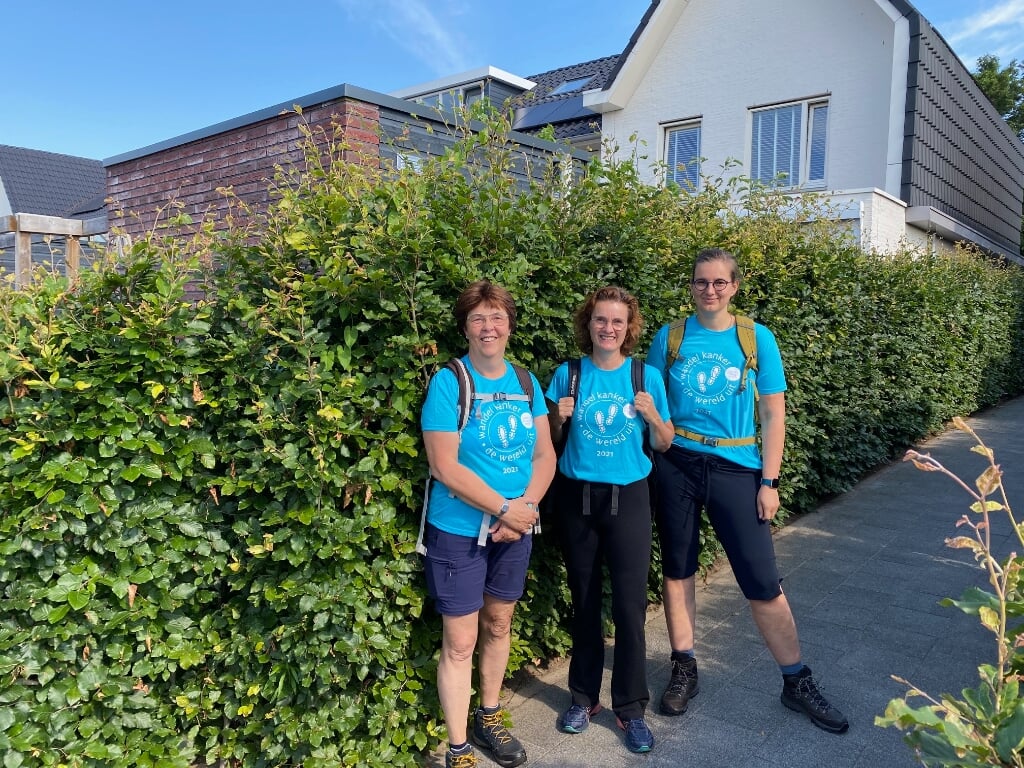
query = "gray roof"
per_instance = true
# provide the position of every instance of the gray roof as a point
(564, 111)
(51, 184)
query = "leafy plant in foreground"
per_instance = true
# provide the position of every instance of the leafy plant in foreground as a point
(986, 726)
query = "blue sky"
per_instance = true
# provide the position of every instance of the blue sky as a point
(100, 79)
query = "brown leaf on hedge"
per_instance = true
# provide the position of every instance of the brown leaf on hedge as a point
(132, 589)
(197, 393)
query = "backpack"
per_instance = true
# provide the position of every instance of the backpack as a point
(748, 343)
(468, 393)
(463, 407)
(575, 371)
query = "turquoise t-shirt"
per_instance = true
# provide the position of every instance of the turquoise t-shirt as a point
(497, 443)
(606, 434)
(704, 383)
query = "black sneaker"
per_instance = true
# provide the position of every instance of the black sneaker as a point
(489, 732)
(800, 693)
(681, 688)
(465, 759)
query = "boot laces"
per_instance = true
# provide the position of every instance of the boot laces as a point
(496, 728)
(808, 689)
(681, 677)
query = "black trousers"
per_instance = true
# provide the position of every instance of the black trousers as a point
(600, 523)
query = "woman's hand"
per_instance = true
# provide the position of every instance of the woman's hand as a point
(566, 405)
(661, 430)
(767, 502)
(644, 404)
(502, 533)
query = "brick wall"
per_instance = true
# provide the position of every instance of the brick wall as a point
(185, 178)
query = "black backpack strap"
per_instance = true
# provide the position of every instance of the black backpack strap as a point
(526, 382)
(575, 370)
(638, 375)
(638, 386)
(466, 390)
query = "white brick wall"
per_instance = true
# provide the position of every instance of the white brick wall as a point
(725, 56)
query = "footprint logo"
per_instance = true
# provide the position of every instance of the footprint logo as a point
(508, 435)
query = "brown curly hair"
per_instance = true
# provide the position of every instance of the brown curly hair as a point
(634, 327)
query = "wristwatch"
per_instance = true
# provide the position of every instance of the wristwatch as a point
(770, 482)
(504, 508)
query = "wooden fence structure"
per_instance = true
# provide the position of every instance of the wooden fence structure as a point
(26, 225)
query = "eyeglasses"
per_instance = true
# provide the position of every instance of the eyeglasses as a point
(497, 318)
(702, 285)
(615, 322)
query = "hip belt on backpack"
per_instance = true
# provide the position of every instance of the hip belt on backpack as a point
(714, 442)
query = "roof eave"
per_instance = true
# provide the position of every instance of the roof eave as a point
(645, 44)
(931, 219)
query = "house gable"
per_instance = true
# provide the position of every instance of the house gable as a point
(900, 114)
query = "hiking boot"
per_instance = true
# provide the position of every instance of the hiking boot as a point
(490, 733)
(466, 759)
(681, 688)
(577, 718)
(638, 736)
(801, 694)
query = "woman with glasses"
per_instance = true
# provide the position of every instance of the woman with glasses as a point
(600, 497)
(716, 466)
(487, 480)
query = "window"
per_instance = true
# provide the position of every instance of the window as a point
(412, 162)
(453, 98)
(682, 156)
(570, 85)
(782, 151)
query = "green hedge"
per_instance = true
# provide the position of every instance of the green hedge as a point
(209, 507)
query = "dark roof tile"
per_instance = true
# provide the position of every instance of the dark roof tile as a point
(50, 184)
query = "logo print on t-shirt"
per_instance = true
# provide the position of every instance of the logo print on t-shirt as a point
(607, 418)
(708, 378)
(504, 431)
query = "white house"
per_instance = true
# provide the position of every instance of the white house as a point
(861, 99)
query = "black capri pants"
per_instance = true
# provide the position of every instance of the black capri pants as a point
(690, 482)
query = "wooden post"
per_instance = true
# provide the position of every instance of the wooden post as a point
(22, 258)
(71, 257)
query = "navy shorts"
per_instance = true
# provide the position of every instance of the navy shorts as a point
(459, 571)
(690, 482)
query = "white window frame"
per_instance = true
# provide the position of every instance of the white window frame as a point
(692, 166)
(811, 126)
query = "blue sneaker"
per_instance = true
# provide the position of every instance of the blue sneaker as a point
(638, 736)
(577, 718)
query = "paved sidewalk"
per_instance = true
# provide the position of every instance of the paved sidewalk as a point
(864, 575)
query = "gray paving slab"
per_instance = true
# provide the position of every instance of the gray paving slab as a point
(864, 574)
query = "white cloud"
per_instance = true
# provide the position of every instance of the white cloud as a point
(997, 30)
(427, 30)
